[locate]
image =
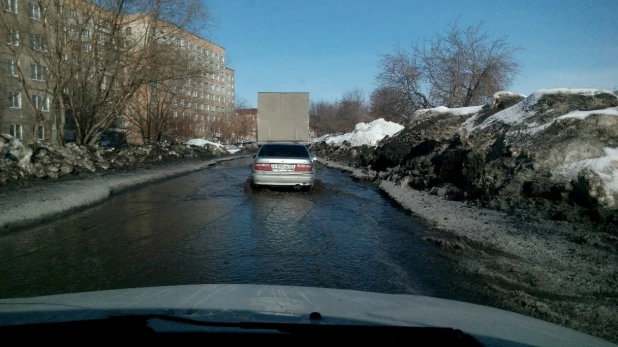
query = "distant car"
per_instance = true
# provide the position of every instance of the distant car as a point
(283, 164)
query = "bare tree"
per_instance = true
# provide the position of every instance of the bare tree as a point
(27, 43)
(155, 112)
(402, 72)
(390, 103)
(353, 107)
(462, 67)
(91, 58)
(339, 116)
(322, 116)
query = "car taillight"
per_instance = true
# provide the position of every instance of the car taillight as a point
(263, 167)
(303, 167)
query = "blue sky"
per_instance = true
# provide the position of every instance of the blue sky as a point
(327, 47)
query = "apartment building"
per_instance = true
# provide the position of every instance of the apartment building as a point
(198, 101)
(25, 99)
(197, 104)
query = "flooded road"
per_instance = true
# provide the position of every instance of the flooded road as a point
(206, 227)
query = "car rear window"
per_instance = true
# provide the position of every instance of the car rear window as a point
(284, 151)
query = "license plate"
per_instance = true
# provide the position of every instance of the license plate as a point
(283, 167)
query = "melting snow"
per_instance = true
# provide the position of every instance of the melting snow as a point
(505, 93)
(534, 128)
(460, 111)
(201, 142)
(364, 133)
(612, 111)
(518, 113)
(606, 167)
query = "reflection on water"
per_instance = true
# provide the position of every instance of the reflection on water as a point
(204, 228)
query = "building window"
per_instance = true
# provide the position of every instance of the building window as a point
(34, 10)
(128, 31)
(40, 102)
(87, 47)
(72, 13)
(38, 42)
(41, 133)
(15, 100)
(38, 72)
(85, 34)
(10, 67)
(175, 114)
(12, 37)
(11, 6)
(16, 131)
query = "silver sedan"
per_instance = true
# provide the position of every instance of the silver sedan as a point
(283, 164)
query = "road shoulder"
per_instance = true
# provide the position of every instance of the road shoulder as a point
(30, 205)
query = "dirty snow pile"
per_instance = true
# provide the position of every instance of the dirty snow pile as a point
(539, 121)
(202, 142)
(606, 167)
(560, 145)
(364, 134)
(460, 111)
(233, 149)
(525, 111)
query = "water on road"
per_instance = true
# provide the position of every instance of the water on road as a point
(206, 227)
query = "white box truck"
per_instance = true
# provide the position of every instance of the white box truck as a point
(283, 117)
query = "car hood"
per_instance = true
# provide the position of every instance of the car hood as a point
(289, 304)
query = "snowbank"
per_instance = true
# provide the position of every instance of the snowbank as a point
(460, 111)
(364, 134)
(523, 111)
(544, 146)
(606, 167)
(201, 143)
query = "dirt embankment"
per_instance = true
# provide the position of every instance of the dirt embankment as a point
(521, 192)
(549, 156)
